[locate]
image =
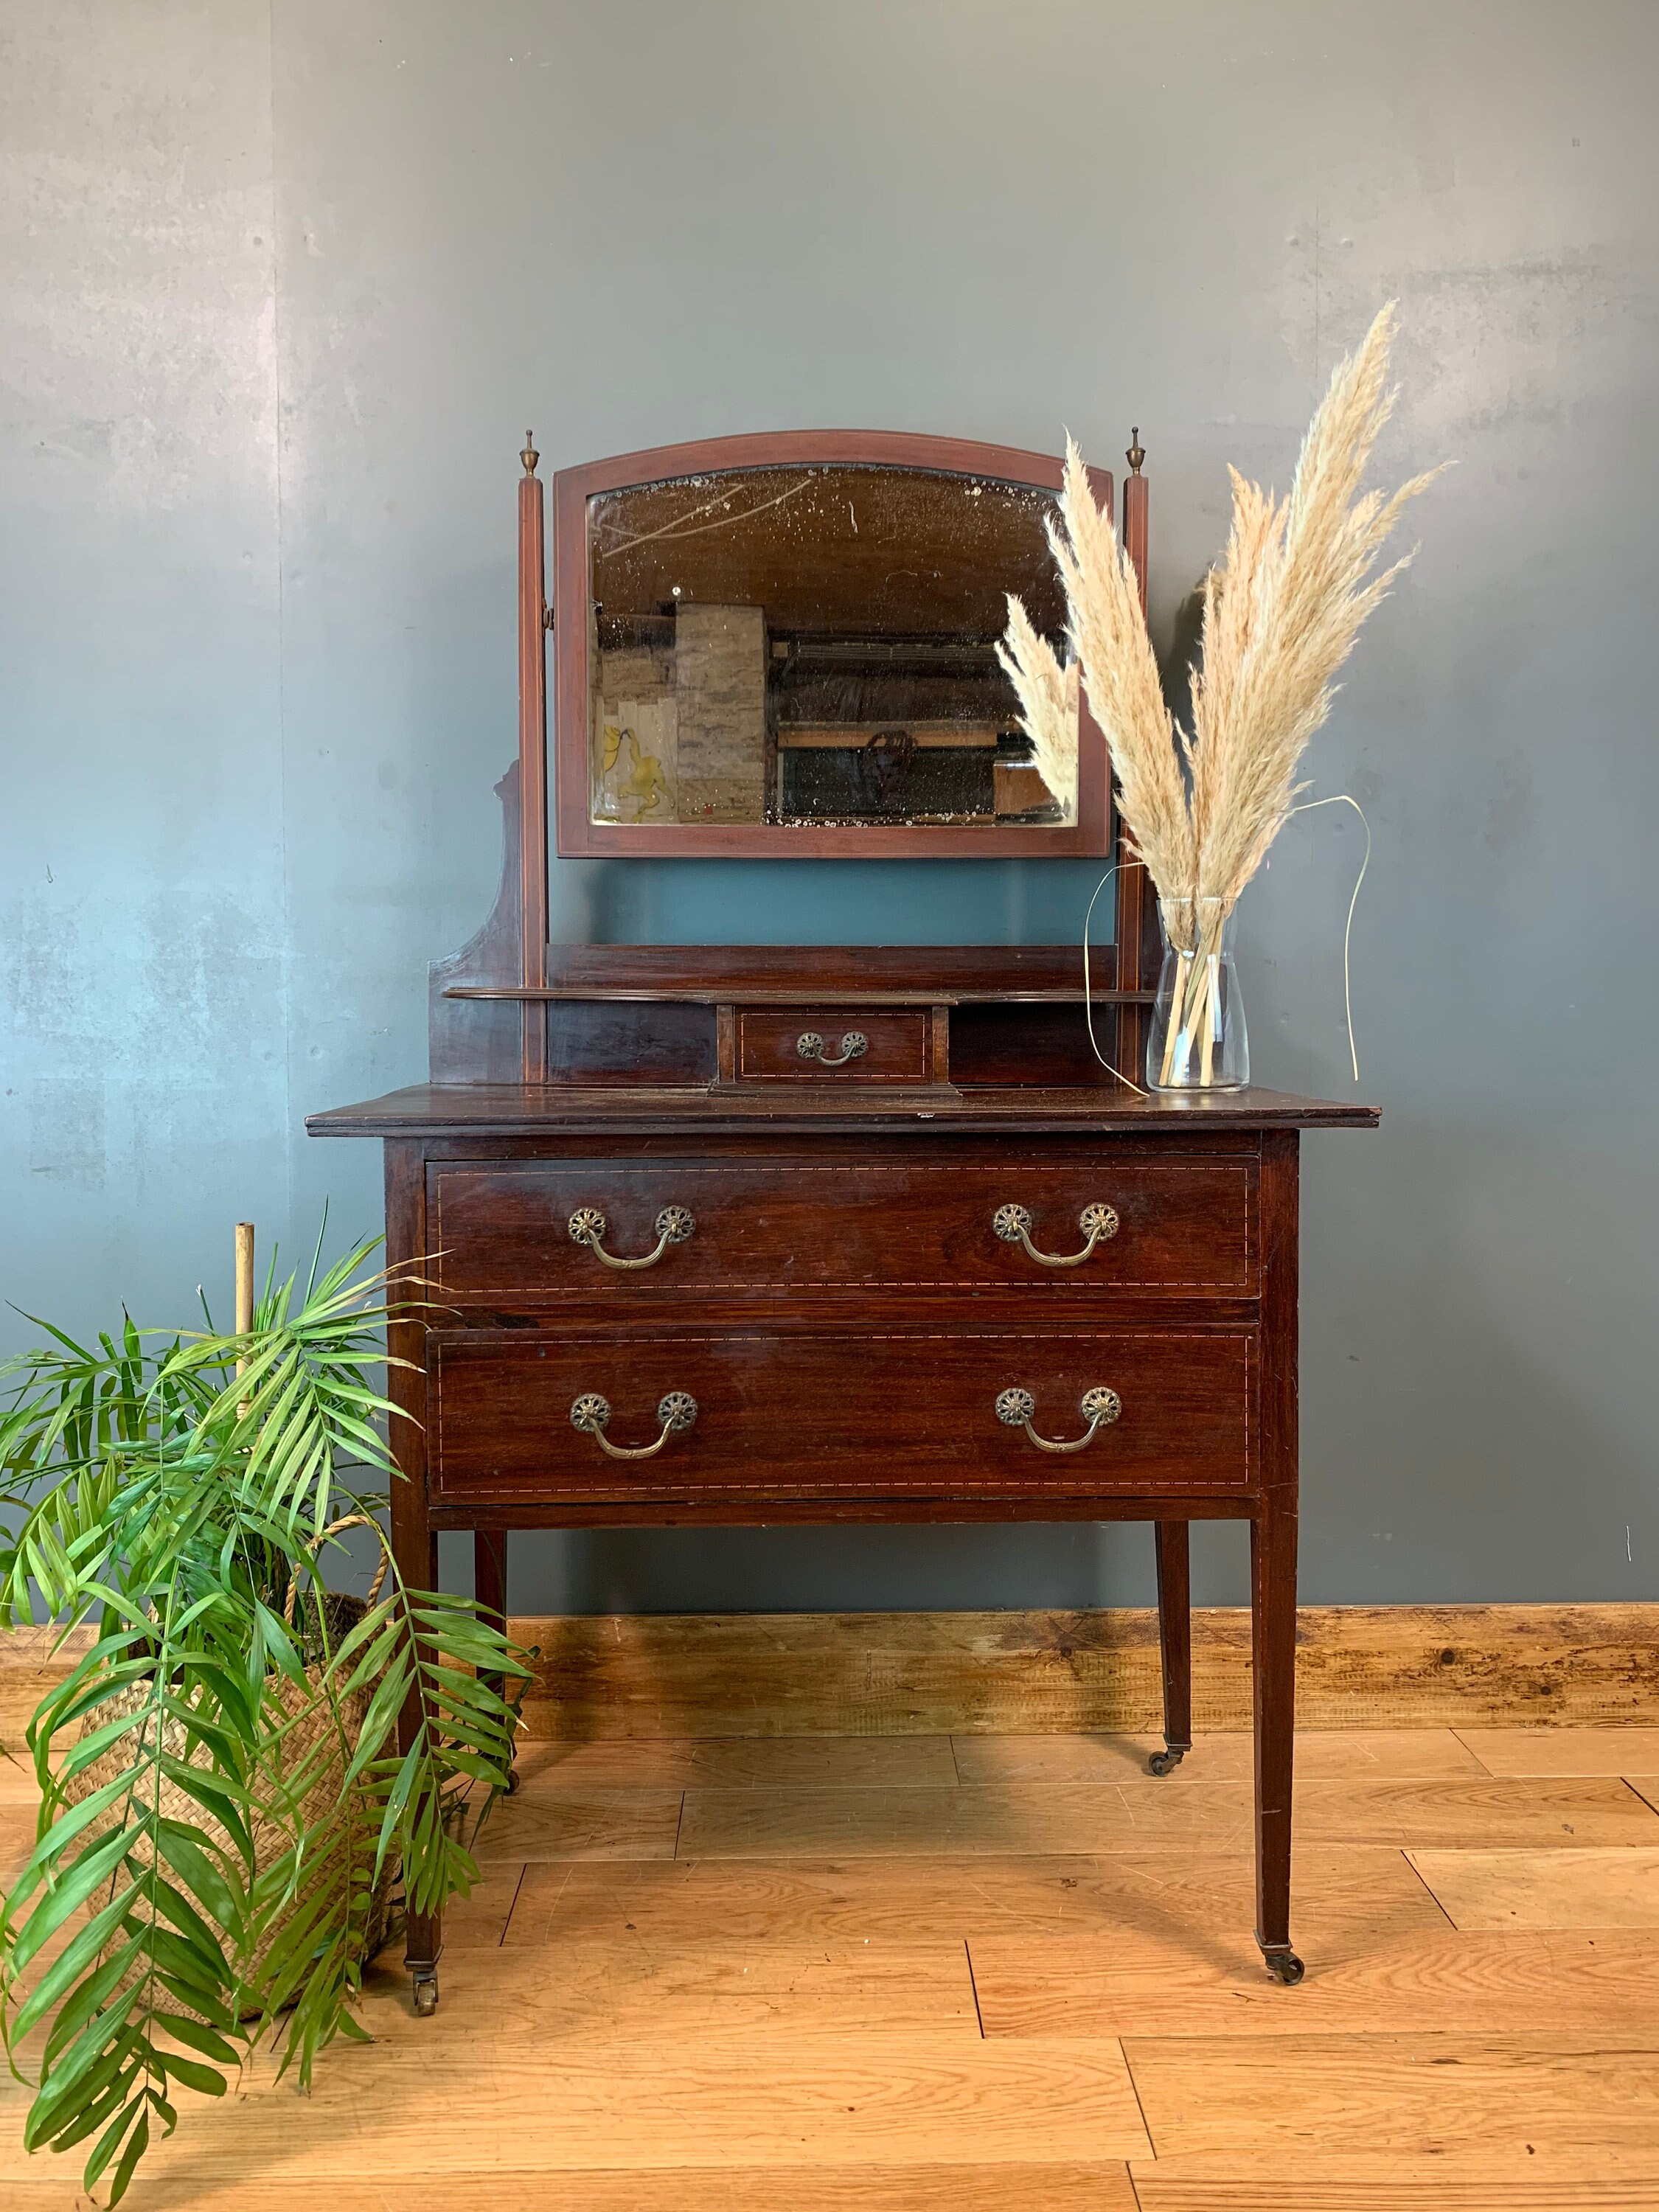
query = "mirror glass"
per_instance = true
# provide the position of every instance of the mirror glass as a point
(816, 644)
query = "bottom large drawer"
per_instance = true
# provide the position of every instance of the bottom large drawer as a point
(754, 1414)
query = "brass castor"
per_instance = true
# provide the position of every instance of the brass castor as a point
(1283, 1964)
(1166, 1760)
(426, 1991)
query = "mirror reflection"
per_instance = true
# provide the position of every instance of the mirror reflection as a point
(816, 644)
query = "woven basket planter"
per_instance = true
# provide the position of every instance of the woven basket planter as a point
(338, 1725)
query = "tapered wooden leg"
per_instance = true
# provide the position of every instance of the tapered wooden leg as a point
(1175, 1635)
(490, 1590)
(413, 1540)
(1272, 1643)
(490, 1572)
(416, 1547)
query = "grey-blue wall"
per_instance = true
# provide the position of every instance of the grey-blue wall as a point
(281, 285)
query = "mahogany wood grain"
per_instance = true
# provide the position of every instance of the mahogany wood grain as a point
(939, 1043)
(603, 1042)
(1175, 1635)
(1273, 1546)
(846, 1325)
(532, 757)
(880, 1411)
(1136, 531)
(414, 1539)
(898, 1047)
(717, 1509)
(919, 1222)
(1137, 922)
(992, 1046)
(917, 974)
(531, 1110)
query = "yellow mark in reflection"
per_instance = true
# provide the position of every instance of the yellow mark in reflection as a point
(641, 787)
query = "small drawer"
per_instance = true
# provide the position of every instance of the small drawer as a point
(944, 1413)
(807, 1045)
(517, 1234)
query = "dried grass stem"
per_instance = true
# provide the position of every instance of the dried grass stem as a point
(1281, 612)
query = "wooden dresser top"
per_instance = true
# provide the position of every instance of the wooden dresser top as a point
(529, 1109)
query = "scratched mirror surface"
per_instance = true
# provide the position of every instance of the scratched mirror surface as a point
(816, 646)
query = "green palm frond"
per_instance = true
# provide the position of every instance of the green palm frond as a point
(241, 1775)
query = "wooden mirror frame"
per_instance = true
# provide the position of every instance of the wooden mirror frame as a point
(579, 834)
(489, 1001)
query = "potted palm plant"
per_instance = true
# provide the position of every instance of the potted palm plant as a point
(238, 1763)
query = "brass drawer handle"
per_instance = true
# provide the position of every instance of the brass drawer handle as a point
(1100, 1408)
(591, 1415)
(1098, 1221)
(853, 1046)
(673, 1225)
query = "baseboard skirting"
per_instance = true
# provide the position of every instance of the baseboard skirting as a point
(903, 1674)
(937, 1673)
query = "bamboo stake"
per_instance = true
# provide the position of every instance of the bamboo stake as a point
(1174, 1029)
(1212, 1008)
(244, 1289)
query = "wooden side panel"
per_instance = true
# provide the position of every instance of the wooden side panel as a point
(1014, 1044)
(482, 1040)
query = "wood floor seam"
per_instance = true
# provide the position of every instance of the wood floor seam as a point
(973, 1983)
(849, 1980)
(1419, 1876)
(1472, 1750)
(500, 1941)
(1141, 2105)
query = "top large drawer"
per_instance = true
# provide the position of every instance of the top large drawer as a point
(502, 1232)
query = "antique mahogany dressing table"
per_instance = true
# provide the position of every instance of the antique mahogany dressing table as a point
(738, 1235)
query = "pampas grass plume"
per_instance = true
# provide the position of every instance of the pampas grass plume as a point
(1281, 612)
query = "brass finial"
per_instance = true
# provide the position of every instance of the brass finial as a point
(1136, 453)
(530, 456)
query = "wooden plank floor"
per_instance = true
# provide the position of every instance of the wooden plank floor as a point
(995, 1974)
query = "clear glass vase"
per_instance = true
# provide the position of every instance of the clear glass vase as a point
(1198, 1040)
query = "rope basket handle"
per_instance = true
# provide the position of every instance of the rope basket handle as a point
(351, 1521)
